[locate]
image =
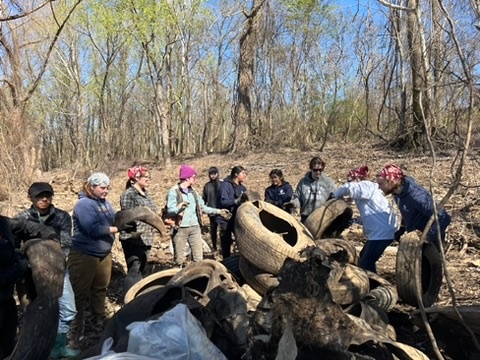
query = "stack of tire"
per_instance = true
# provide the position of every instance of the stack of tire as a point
(266, 236)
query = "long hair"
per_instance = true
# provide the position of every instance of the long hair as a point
(236, 170)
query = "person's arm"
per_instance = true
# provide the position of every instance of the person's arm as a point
(342, 191)
(173, 206)
(227, 197)
(31, 230)
(66, 233)
(297, 198)
(288, 193)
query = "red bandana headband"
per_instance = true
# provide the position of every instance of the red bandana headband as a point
(135, 172)
(392, 172)
(361, 172)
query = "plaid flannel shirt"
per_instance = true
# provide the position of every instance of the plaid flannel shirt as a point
(132, 198)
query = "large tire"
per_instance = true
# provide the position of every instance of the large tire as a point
(40, 319)
(201, 277)
(382, 293)
(352, 286)
(267, 235)
(419, 266)
(144, 214)
(149, 283)
(259, 280)
(333, 246)
(319, 221)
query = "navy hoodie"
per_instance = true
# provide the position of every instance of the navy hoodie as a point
(279, 195)
(92, 218)
(229, 192)
(416, 206)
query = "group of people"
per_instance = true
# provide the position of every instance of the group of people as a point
(87, 247)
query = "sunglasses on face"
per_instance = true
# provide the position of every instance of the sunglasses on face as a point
(317, 170)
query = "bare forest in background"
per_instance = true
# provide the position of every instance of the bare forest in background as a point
(85, 83)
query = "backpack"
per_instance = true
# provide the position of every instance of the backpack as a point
(175, 220)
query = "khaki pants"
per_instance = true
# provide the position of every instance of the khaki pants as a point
(192, 235)
(90, 277)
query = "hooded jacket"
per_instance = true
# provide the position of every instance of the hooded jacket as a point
(229, 193)
(416, 207)
(312, 193)
(92, 218)
(279, 195)
(376, 213)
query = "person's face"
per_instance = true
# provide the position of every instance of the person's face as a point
(317, 171)
(213, 176)
(144, 180)
(100, 191)
(43, 201)
(191, 180)
(385, 185)
(276, 181)
(241, 177)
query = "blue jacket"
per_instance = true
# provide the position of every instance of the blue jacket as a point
(229, 192)
(279, 195)
(92, 219)
(416, 207)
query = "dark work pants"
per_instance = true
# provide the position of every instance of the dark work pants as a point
(213, 232)
(371, 252)
(226, 233)
(136, 258)
(8, 326)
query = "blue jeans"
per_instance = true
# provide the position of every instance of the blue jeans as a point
(371, 252)
(68, 310)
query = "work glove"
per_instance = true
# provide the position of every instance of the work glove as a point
(182, 206)
(224, 213)
(289, 206)
(128, 227)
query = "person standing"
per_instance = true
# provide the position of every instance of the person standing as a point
(231, 192)
(14, 266)
(42, 211)
(90, 261)
(313, 190)
(376, 215)
(210, 194)
(188, 213)
(415, 203)
(280, 192)
(136, 248)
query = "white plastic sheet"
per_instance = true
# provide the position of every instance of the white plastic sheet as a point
(176, 335)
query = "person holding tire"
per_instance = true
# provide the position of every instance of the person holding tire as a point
(136, 246)
(313, 190)
(415, 203)
(376, 215)
(184, 203)
(232, 194)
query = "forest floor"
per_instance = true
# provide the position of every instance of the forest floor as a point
(462, 247)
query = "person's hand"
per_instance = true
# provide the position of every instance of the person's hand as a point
(224, 213)
(128, 227)
(288, 206)
(182, 206)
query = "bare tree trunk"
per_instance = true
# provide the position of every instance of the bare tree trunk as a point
(242, 117)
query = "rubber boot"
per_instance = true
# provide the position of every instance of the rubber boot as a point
(61, 350)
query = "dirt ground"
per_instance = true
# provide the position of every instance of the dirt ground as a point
(462, 247)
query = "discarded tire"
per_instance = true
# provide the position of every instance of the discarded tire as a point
(149, 283)
(259, 280)
(320, 220)
(352, 286)
(267, 235)
(333, 246)
(382, 293)
(419, 268)
(201, 277)
(40, 319)
(141, 213)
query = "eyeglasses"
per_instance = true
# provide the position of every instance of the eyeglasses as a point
(145, 177)
(317, 170)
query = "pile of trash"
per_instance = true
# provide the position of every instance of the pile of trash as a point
(288, 294)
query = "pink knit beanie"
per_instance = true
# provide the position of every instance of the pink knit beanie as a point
(186, 172)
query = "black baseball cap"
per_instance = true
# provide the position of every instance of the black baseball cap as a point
(212, 170)
(39, 187)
